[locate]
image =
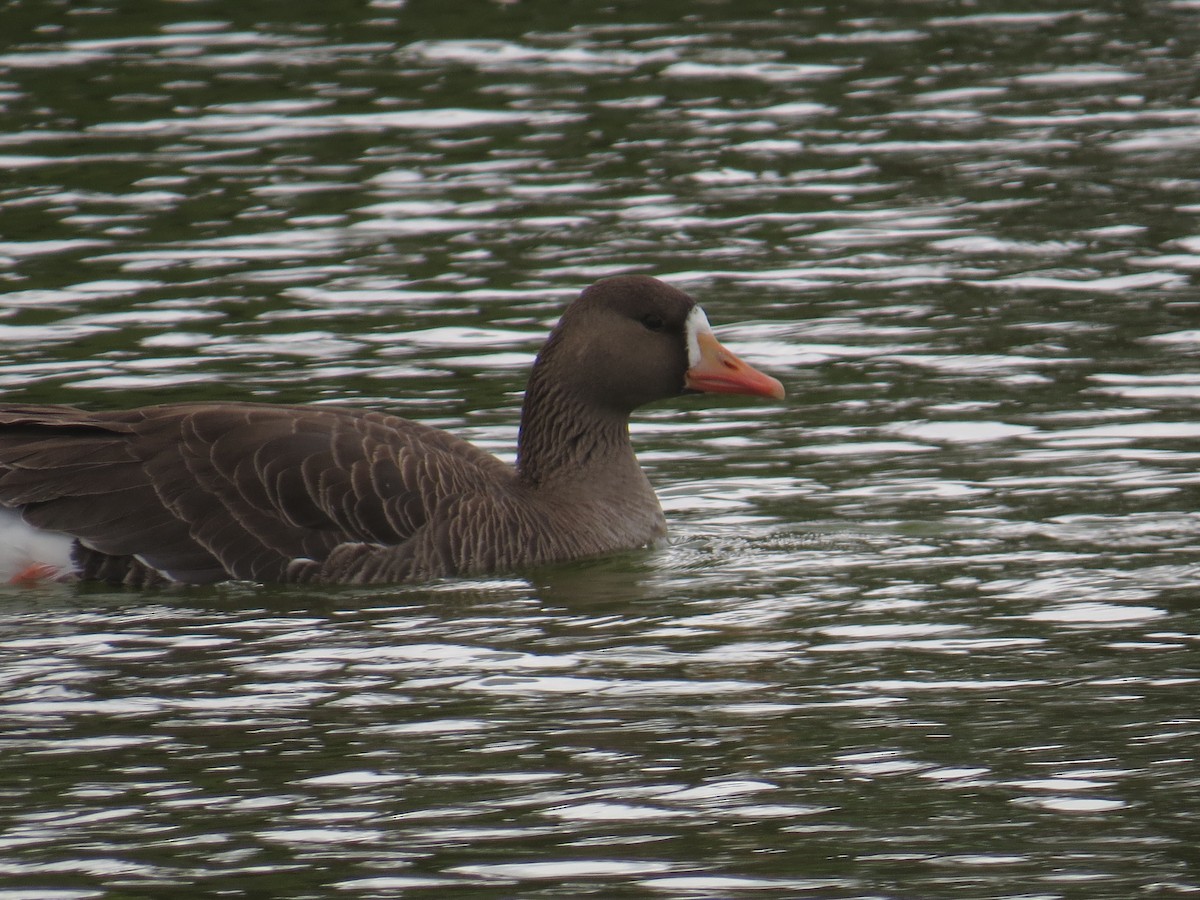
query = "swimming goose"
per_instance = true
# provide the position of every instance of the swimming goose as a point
(215, 491)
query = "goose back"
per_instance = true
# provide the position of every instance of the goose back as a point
(205, 492)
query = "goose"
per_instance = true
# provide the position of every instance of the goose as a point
(206, 492)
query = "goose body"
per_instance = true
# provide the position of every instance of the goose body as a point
(208, 492)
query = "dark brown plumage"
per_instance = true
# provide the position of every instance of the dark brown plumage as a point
(207, 492)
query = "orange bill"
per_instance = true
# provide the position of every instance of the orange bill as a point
(716, 370)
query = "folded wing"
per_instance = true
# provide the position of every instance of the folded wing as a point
(209, 492)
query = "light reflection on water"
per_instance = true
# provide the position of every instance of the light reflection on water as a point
(926, 628)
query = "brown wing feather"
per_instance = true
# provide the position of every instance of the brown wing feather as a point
(69, 473)
(204, 492)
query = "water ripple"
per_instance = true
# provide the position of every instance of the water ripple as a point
(931, 618)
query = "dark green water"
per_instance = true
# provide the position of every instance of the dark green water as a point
(929, 628)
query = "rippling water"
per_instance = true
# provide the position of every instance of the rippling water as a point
(928, 628)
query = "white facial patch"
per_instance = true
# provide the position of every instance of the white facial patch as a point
(696, 325)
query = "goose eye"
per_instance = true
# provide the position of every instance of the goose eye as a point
(653, 322)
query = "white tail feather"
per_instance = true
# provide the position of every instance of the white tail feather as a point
(25, 549)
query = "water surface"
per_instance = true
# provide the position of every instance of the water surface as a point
(927, 628)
